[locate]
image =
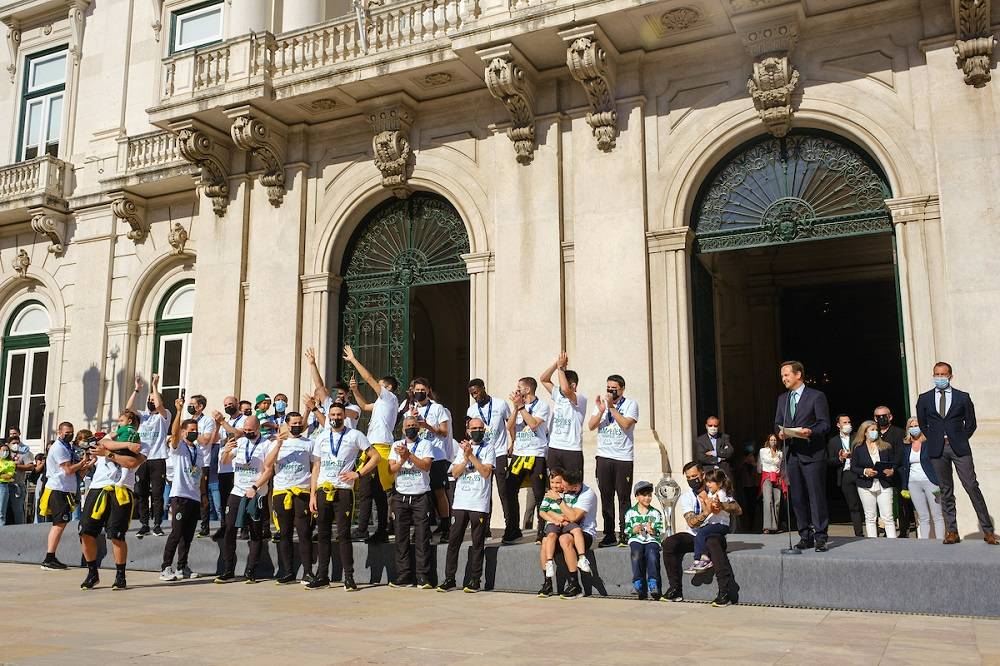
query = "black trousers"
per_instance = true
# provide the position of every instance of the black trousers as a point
(807, 490)
(480, 523)
(206, 504)
(567, 460)
(966, 470)
(412, 510)
(539, 481)
(150, 479)
(500, 474)
(183, 523)
(674, 548)
(849, 486)
(327, 511)
(296, 518)
(254, 527)
(614, 477)
(370, 491)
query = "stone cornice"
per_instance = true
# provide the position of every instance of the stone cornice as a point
(669, 240)
(479, 262)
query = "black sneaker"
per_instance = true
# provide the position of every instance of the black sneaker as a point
(358, 534)
(444, 539)
(447, 586)
(471, 587)
(157, 531)
(119, 583)
(511, 537)
(318, 583)
(608, 541)
(202, 533)
(672, 594)
(143, 531)
(349, 584)
(250, 578)
(722, 599)
(307, 578)
(53, 564)
(571, 591)
(226, 577)
(424, 585)
(623, 540)
(90, 581)
(380, 536)
(546, 590)
(401, 582)
(821, 546)
(804, 544)
(287, 579)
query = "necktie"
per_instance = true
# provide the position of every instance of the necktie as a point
(942, 405)
(792, 402)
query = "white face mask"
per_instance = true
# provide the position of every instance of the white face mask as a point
(847, 429)
(5, 454)
(713, 430)
(872, 435)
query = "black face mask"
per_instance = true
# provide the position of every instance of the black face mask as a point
(191, 410)
(420, 396)
(296, 430)
(614, 394)
(483, 399)
(411, 433)
(232, 410)
(250, 435)
(337, 423)
(192, 436)
(695, 484)
(247, 412)
(476, 435)
(151, 406)
(882, 420)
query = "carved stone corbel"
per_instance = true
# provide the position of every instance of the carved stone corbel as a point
(206, 148)
(76, 29)
(13, 45)
(263, 137)
(178, 238)
(974, 46)
(510, 78)
(132, 210)
(774, 79)
(591, 59)
(21, 263)
(52, 225)
(391, 146)
(157, 24)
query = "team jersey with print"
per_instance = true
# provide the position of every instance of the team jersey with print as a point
(612, 441)
(494, 415)
(187, 471)
(652, 520)
(153, 430)
(566, 432)
(532, 442)
(472, 491)
(293, 466)
(586, 500)
(336, 453)
(410, 479)
(248, 463)
(434, 414)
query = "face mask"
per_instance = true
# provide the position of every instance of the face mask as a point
(713, 430)
(420, 396)
(695, 484)
(232, 409)
(295, 430)
(4, 454)
(914, 431)
(882, 420)
(192, 437)
(250, 435)
(872, 435)
(477, 436)
(614, 394)
(941, 382)
(192, 410)
(847, 429)
(150, 406)
(337, 423)
(279, 406)
(247, 412)
(411, 433)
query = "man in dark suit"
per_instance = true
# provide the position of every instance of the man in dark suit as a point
(839, 454)
(713, 448)
(805, 408)
(894, 435)
(948, 419)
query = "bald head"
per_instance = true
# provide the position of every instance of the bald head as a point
(251, 425)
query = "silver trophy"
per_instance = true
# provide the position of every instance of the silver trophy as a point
(668, 492)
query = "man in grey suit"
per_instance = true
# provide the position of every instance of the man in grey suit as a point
(948, 419)
(712, 448)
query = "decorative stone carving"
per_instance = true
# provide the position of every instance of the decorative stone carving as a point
(391, 146)
(76, 29)
(511, 80)
(260, 135)
(771, 85)
(21, 263)
(200, 146)
(13, 45)
(680, 19)
(178, 238)
(779, 37)
(319, 106)
(132, 210)
(52, 225)
(156, 24)
(591, 61)
(974, 47)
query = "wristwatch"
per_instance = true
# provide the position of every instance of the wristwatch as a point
(254, 486)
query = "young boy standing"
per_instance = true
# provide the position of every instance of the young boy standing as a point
(644, 526)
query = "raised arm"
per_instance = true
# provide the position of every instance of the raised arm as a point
(175, 428)
(313, 369)
(358, 398)
(546, 378)
(130, 403)
(363, 371)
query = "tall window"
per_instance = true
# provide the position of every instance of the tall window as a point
(195, 26)
(172, 355)
(25, 370)
(42, 104)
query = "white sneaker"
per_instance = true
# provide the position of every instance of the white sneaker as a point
(550, 569)
(186, 573)
(168, 574)
(583, 563)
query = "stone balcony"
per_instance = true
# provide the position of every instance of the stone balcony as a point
(150, 164)
(42, 182)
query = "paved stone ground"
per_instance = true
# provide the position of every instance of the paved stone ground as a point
(197, 622)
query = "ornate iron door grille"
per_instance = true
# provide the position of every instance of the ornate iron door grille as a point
(799, 188)
(401, 244)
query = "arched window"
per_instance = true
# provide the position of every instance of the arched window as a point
(172, 348)
(25, 370)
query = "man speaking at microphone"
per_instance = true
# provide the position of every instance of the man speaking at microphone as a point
(802, 420)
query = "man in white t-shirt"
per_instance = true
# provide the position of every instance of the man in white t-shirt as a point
(472, 469)
(614, 417)
(209, 427)
(291, 458)
(435, 426)
(568, 411)
(326, 397)
(186, 452)
(230, 430)
(151, 476)
(374, 488)
(110, 500)
(335, 456)
(578, 506)
(527, 426)
(494, 413)
(60, 496)
(410, 461)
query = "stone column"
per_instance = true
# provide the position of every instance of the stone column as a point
(247, 16)
(481, 268)
(320, 323)
(298, 14)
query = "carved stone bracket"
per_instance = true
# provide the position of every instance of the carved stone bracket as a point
(76, 8)
(13, 45)
(178, 238)
(263, 137)
(132, 210)
(773, 79)
(974, 46)
(206, 148)
(157, 24)
(52, 225)
(591, 59)
(510, 78)
(391, 146)
(21, 263)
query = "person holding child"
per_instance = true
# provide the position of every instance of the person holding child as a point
(570, 516)
(717, 489)
(644, 526)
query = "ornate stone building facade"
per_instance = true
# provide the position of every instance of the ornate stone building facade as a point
(679, 191)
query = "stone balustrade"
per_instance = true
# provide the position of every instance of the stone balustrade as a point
(152, 150)
(43, 177)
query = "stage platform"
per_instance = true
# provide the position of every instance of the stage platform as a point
(904, 575)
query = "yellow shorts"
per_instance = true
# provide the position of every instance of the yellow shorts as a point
(384, 475)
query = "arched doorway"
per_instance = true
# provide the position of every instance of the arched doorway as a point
(405, 297)
(794, 258)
